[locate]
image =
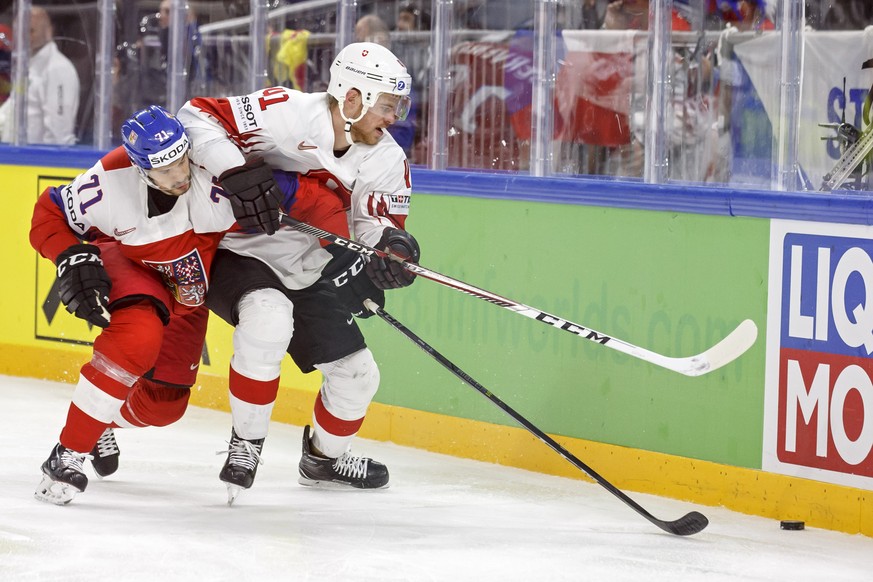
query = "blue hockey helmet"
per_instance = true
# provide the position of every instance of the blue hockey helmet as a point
(154, 138)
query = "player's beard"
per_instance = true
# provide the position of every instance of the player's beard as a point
(370, 137)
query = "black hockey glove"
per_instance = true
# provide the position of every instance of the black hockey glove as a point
(387, 273)
(84, 284)
(254, 196)
(345, 275)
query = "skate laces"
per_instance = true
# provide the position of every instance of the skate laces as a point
(106, 444)
(351, 466)
(72, 460)
(243, 453)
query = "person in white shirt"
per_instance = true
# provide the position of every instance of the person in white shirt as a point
(52, 90)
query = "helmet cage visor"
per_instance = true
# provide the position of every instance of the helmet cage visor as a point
(400, 108)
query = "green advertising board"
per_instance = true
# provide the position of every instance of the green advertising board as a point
(673, 283)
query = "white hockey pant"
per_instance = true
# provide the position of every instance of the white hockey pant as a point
(349, 386)
(260, 340)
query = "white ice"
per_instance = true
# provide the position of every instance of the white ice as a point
(163, 517)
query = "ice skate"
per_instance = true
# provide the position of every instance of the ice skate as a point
(344, 472)
(62, 476)
(105, 454)
(243, 458)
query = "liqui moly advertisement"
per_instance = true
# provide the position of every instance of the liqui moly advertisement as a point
(818, 413)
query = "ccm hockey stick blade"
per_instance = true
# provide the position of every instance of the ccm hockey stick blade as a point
(727, 350)
(724, 352)
(686, 525)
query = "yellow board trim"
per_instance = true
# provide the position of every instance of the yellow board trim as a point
(750, 491)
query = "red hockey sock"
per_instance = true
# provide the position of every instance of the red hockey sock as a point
(253, 391)
(95, 401)
(332, 424)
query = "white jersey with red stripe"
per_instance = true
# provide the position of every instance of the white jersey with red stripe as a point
(293, 131)
(110, 200)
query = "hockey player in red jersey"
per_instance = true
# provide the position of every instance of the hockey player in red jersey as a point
(300, 301)
(153, 222)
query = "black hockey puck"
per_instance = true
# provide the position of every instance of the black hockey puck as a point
(791, 524)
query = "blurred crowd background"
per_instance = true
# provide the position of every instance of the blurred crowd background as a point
(554, 87)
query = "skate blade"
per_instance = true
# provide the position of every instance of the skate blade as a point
(232, 492)
(55, 492)
(335, 485)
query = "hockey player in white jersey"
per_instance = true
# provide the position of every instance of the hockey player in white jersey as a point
(153, 221)
(286, 292)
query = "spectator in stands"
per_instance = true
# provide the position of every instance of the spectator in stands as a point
(753, 16)
(602, 98)
(593, 13)
(622, 132)
(747, 15)
(634, 15)
(371, 28)
(52, 89)
(410, 18)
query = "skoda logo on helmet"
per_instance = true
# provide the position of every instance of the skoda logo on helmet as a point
(169, 155)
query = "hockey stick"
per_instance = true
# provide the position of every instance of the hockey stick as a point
(684, 526)
(724, 352)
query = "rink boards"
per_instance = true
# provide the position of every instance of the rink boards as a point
(781, 432)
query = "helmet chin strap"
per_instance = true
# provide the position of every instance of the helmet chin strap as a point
(347, 130)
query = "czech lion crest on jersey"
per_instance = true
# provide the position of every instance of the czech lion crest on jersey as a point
(185, 276)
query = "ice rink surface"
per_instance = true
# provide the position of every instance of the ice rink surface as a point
(163, 517)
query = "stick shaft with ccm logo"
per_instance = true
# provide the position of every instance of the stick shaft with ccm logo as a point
(724, 352)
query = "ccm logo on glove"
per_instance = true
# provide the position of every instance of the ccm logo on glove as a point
(83, 284)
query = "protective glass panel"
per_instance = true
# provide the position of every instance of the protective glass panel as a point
(835, 136)
(404, 28)
(600, 92)
(141, 61)
(491, 65)
(59, 76)
(736, 112)
(300, 45)
(748, 57)
(603, 96)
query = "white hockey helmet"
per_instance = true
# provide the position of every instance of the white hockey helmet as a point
(371, 69)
